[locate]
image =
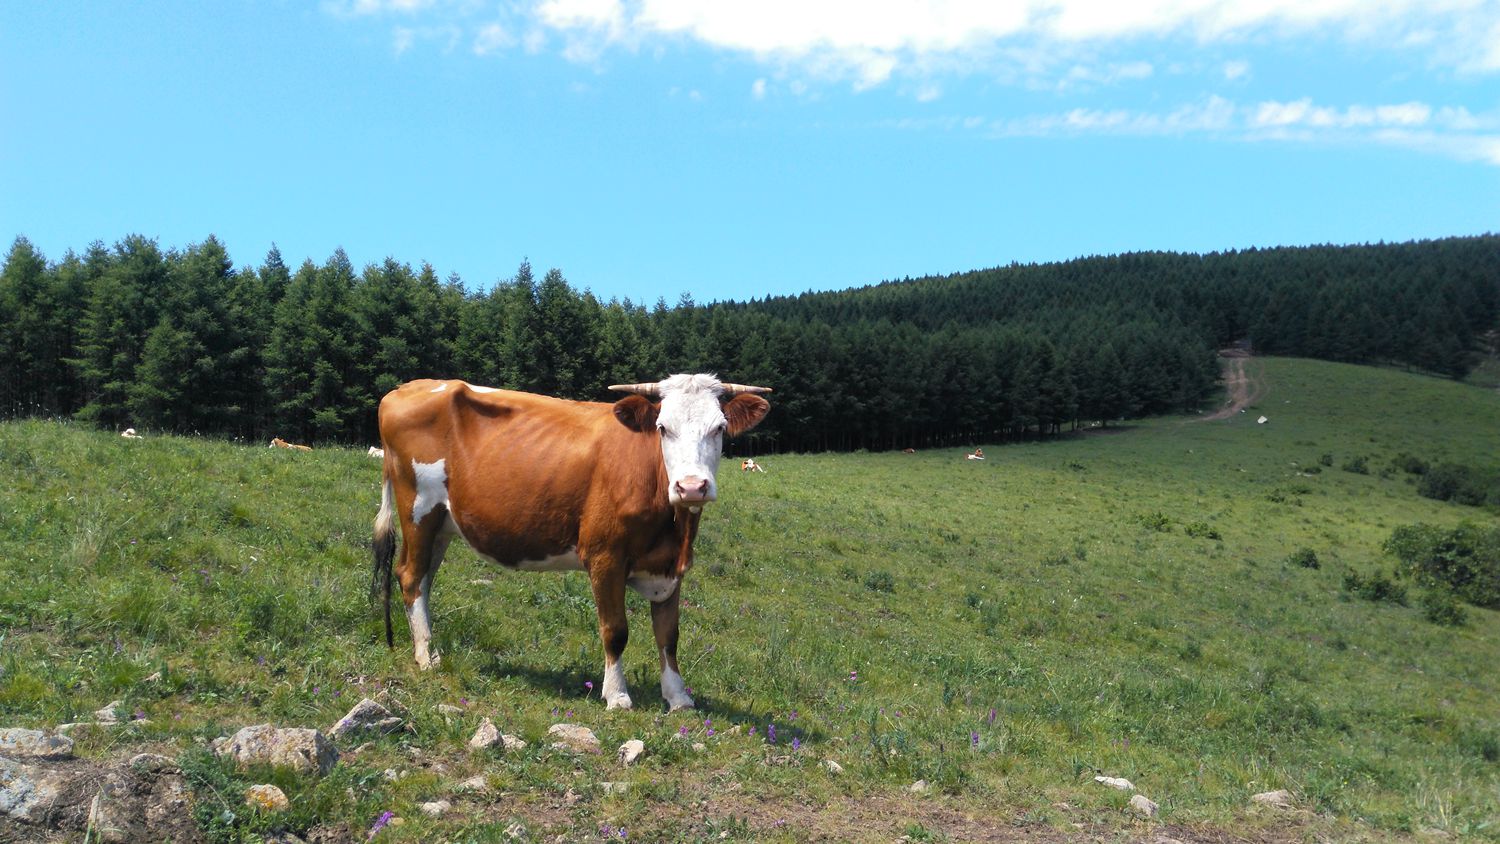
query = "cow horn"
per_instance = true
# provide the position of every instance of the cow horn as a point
(649, 390)
(736, 389)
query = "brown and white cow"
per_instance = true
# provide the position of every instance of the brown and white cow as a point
(544, 484)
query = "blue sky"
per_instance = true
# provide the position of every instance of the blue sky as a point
(738, 149)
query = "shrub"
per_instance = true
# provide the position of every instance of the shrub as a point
(1156, 520)
(1464, 560)
(1409, 464)
(1326, 460)
(880, 581)
(1461, 484)
(1440, 607)
(1359, 465)
(1377, 587)
(1201, 530)
(1305, 557)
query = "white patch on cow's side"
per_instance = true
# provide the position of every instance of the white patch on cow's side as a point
(441, 387)
(673, 689)
(653, 587)
(421, 625)
(478, 389)
(566, 561)
(692, 431)
(614, 693)
(432, 488)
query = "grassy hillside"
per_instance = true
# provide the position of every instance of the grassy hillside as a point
(1002, 629)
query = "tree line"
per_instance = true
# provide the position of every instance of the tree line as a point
(183, 341)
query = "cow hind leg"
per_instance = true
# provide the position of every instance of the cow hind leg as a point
(609, 598)
(664, 618)
(422, 554)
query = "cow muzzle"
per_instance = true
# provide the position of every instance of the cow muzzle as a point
(692, 489)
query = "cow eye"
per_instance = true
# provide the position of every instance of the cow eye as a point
(662, 429)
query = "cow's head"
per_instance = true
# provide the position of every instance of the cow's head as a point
(694, 415)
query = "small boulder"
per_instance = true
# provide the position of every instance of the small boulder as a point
(1280, 799)
(110, 712)
(300, 748)
(154, 763)
(574, 737)
(267, 798)
(449, 709)
(28, 793)
(918, 787)
(832, 767)
(366, 716)
(1116, 782)
(17, 742)
(436, 808)
(614, 787)
(1143, 805)
(631, 751)
(476, 784)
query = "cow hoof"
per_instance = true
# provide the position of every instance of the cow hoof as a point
(619, 701)
(683, 703)
(431, 663)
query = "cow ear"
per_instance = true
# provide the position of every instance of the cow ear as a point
(744, 412)
(636, 413)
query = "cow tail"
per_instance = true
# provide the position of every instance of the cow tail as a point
(383, 546)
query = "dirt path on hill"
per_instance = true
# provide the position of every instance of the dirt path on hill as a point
(1243, 378)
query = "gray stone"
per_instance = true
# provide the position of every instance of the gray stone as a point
(1143, 804)
(574, 737)
(1280, 799)
(35, 744)
(614, 787)
(436, 808)
(1116, 782)
(832, 767)
(366, 716)
(477, 784)
(154, 763)
(110, 712)
(300, 748)
(918, 787)
(486, 737)
(267, 798)
(631, 751)
(449, 709)
(510, 742)
(27, 792)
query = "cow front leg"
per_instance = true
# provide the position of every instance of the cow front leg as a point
(614, 631)
(664, 616)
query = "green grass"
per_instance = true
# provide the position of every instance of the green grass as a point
(1126, 602)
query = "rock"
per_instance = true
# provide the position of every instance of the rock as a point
(918, 787)
(775, 761)
(153, 678)
(366, 716)
(27, 793)
(699, 747)
(436, 808)
(574, 737)
(1280, 799)
(449, 709)
(1143, 804)
(614, 787)
(476, 784)
(300, 748)
(267, 798)
(631, 751)
(516, 830)
(34, 744)
(1116, 782)
(832, 767)
(154, 763)
(110, 712)
(109, 817)
(488, 736)
(481, 581)
(510, 742)
(391, 774)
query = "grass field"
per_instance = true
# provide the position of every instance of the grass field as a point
(1117, 602)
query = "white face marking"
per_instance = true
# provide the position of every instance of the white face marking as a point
(566, 561)
(692, 426)
(614, 693)
(653, 588)
(672, 686)
(439, 388)
(432, 488)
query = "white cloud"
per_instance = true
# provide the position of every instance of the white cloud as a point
(491, 38)
(1236, 70)
(758, 89)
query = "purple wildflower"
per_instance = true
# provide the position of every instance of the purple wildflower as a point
(621, 830)
(463, 701)
(974, 739)
(992, 716)
(380, 822)
(752, 729)
(589, 685)
(853, 676)
(140, 715)
(771, 733)
(796, 743)
(710, 732)
(683, 730)
(793, 716)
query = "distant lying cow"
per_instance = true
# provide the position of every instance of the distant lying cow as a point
(130, 434)
(749, 465)
(543, 484)
(376, 452)
(977, 455)
(278, 442)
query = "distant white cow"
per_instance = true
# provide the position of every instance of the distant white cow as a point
(978, 454)
(376, 452)
(130, 434)
(749, 465)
